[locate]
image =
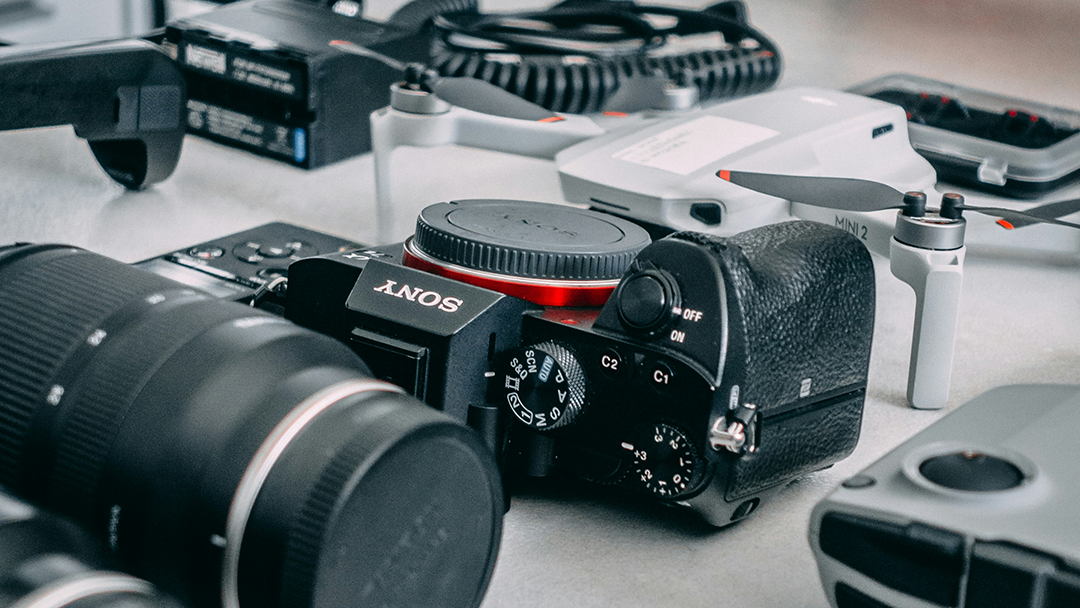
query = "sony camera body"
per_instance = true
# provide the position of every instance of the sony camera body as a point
(710, 370)
(979, 510)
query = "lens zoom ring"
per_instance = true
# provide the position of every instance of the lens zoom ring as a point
(113, 385)
(49, 308)
(516, 262)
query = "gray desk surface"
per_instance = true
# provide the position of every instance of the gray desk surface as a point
(1020, 313)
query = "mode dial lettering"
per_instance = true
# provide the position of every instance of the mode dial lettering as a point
(544, 386)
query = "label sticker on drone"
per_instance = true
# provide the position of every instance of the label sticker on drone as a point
(694, 144)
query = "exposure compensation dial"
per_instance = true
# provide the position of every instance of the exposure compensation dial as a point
(665, 462)
(544, 386)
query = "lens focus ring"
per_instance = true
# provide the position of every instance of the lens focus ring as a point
(52, 306)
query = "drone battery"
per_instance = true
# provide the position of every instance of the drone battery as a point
(263, 76)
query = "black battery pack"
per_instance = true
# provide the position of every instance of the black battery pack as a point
(263, 76)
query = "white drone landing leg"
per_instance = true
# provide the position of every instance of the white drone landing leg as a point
(927, 253)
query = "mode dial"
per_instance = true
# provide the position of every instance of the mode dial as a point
(665, 462)
(544, 386)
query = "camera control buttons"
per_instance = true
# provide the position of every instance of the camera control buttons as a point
(544, 386)
(255, 252)
(660, 376)
(611, 363)
(276, 251)
(665, 462)
(646, 300)
(206, 252)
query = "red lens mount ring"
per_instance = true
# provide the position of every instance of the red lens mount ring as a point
(545, 292)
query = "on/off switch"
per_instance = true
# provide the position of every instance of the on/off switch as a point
(645, 300)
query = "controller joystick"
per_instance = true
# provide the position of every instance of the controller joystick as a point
(972, 471)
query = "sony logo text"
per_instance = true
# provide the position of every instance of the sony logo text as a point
(421, 296)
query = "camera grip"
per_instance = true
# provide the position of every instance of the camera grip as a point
(805, 292)
(936, 277)
(800, 442)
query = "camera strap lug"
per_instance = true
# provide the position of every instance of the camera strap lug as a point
(736, 432)
(276, 286)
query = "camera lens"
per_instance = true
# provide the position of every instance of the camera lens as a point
(229, 456)
(48, 562)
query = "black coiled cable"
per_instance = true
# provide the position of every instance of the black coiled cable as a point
(418, 13)
(572, 57)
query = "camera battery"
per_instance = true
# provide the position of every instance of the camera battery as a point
(263, 76)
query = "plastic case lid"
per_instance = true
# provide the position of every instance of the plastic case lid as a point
(996, 161)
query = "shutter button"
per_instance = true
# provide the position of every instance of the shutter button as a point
(645, 301)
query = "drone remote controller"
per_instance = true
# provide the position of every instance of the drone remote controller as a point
(977, 511)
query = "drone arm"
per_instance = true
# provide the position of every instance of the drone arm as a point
(392, 128)
(936, 277)
(533, 138)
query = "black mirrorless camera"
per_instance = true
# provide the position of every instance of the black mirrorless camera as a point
(228, 456)
(702, 371)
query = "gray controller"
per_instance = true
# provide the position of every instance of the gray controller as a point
(980, 510)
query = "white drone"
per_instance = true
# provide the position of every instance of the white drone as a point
(662, 169)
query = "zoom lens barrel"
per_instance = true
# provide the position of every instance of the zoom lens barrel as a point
(229, 456)
(47, 561)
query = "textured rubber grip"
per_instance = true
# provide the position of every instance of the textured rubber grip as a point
(108, 386)
(53, 302)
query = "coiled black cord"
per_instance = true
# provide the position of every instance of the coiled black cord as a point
(416, 14)
(572, 57)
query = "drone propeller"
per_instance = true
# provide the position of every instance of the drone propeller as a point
(484, 97)
(1047, 211)
(840, 193)
(633, 95)
(850, 194)
(468, 93)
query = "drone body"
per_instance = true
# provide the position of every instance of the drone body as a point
(663, 172)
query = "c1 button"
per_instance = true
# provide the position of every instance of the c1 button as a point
(661, 376)
(611, 363)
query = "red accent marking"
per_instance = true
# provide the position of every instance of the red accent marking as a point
(616, 114)
(552, 119)
(1005, 224)
(1034, 118)
(765, 53)
(909, 115)
(340, 43)
(568, 321)
(544, 295)
(925, 95)
(945, 100)
(1012, 113)
(725, 175)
